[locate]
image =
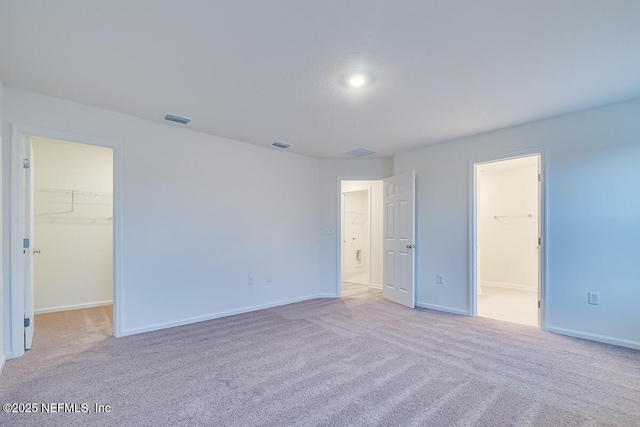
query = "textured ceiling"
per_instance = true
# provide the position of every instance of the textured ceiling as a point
(261, 71)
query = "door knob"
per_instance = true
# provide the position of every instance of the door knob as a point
(411, 246)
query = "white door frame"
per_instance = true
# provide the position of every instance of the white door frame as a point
(16, 320)
(339, 221)
(368, 189)
(473, 236)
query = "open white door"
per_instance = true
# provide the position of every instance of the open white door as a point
(399, 239)
(28, 246)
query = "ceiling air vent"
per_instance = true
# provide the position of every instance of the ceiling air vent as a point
(177, 119)
(360, 152)
(281, 144)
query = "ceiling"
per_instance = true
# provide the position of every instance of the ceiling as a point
(263, 71)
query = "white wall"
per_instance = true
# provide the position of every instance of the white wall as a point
(331, 172)
(377, 211)
(199, 214)
(593, 228)
(508, 223)
(74, 268)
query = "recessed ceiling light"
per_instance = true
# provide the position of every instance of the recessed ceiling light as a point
(357, 80)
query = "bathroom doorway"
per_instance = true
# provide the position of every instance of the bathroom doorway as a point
(361, 239)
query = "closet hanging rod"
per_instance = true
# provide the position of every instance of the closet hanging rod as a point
(76, 192)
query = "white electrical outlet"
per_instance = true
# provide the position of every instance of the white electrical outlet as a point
(327, 232)
(269, 278)
(440, 279)
(250, 280)
(594, 298)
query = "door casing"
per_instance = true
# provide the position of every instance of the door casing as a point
(16, 318)
(473, 236)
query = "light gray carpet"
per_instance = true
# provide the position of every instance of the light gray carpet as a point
(336, 362)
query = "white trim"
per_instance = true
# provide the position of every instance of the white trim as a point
(318, 296)
(190, 320)
(72, 307)
(473, 265)
(376, 285)
(515, 286)
(3, 360)
(594, 337)
(15, 254)
(442, 308)
(16, 324)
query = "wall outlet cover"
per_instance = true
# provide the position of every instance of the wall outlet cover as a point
(594, 298)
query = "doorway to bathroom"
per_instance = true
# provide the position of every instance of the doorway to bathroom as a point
(361, 239)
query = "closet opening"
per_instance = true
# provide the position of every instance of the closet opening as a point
(508, 239)
(68, 252)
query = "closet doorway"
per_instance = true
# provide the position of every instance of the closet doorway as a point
(70, 222)
(508, 238)
(361, 250)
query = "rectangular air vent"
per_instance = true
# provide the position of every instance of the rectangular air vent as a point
(177, 119)
(281, 144)
(360, 152)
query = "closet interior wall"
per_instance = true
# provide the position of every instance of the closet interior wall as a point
(73, 225)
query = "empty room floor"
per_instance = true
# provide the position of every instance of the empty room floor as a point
(509, 305)
(356, 290)
(335, 362)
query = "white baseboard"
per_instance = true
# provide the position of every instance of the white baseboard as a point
(72, 307)
(376, 285)
(323, 296)
(594, 337)
(3, 359)
(442, 308)
(187, 321)
(509, 286)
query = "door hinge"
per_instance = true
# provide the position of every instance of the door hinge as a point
(539, 178)
(538, 304)
(539, 241)
(25, 163)
(27, 322)
(25, 243)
